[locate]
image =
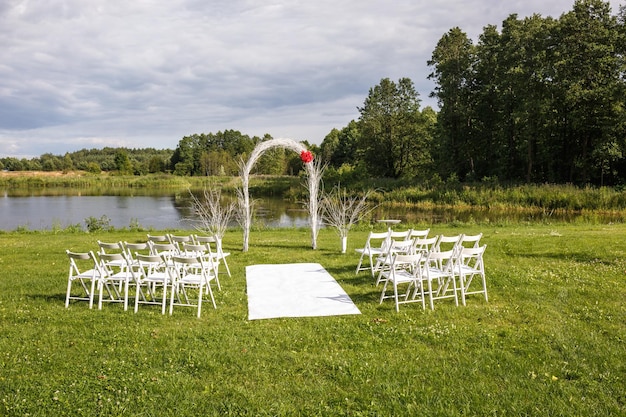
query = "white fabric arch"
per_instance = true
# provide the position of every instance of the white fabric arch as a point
(313, 181)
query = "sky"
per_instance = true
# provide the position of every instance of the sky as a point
(83, 74)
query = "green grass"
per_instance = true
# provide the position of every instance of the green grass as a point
(550, 341)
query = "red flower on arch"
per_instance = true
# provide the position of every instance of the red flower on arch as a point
(306, 156)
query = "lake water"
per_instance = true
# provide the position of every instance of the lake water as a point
(63, 208)
(172, 211)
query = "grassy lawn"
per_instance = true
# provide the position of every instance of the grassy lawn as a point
(550, 341)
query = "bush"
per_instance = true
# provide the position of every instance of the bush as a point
(103, 224)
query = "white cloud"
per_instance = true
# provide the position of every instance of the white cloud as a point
(145, 73)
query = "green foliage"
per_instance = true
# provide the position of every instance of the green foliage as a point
(101, 224)
(542, 101)
(548, 342)
(395, 137)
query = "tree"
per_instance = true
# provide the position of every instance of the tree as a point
(453, 63)
(391, 127)
(122, 162)
(589, 73)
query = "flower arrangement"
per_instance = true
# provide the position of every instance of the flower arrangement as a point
(306, 156)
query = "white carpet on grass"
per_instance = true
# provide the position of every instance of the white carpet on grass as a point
(295, 290)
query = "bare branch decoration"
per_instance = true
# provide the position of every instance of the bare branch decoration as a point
(342, 211)
(213, 214)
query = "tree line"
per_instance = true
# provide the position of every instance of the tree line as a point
(540, 100)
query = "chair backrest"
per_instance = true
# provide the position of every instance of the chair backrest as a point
(158, 238)
(115, 260)
(419, 234)
(192, 264)
(191, 249)
(400, 235)
(443, 260)
(472, 257)
(424, 245)
(374, 237)
(179, 239)
(409, 262)
(404, 247)
(167, 250)
(80, 262)
(149, 259)
(471, 240)
(132, 248)
(108, 247)
(150, 265)
(445, 243)
(204, 239)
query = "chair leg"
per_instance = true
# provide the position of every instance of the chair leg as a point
(395, 296)
(69, 290)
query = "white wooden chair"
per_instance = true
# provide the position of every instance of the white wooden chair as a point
(85, 270)
(375, 246)
(113, 247)
(115, 280)
(470, 265)
(438, 271)
(192, 276)
(405, 270)
(217, 252)
(152, 275)
(203, 251)
(384, 261)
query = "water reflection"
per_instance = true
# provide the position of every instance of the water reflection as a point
(45, 209)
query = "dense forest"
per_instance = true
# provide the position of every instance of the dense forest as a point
(540, 100)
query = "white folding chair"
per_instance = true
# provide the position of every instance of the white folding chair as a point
(217, 253)
(470, 264)
(396, 247)
(405, 269)
(113, 247)
(115, 279)
(84, 269)
(203, 251)
(375, 246)
(192, 277)
(438, 271)
(152, 275)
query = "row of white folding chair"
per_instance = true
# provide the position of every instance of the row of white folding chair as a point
(213, 243)
(115, 272)
(414, 243)
(377, 245)
(176, 273)
(439, 270)
(418, 241)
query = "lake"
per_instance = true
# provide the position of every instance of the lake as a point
(37, 210)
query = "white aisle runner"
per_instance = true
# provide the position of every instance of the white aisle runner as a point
(295, 290)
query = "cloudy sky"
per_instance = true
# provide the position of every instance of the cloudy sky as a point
(144, 73)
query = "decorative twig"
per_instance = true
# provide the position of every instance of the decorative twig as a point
(213, 215)
(342, 211)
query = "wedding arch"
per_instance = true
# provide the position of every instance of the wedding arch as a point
(314, 173)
